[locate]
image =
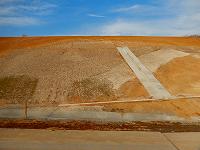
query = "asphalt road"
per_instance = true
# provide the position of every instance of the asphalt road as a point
(29, 139)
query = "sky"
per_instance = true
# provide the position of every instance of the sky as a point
(99, 17)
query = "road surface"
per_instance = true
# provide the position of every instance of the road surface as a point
(31, 139)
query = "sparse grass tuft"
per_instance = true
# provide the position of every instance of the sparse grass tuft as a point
(91, 89)
(195, 36)
(17, 89)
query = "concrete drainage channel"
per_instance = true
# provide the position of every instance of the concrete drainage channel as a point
(146, 77)
(87, 113)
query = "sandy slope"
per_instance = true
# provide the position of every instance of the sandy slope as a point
(57, 62)
(186, 108)
(181, 76)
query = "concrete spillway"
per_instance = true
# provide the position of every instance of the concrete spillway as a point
(146, 77)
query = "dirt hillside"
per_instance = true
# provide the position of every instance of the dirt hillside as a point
(91, 65)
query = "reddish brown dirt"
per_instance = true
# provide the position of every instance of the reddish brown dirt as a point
(133, 89)
(86, 125)
(24, 42)
(181, 76)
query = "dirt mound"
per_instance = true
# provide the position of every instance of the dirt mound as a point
(133, 89)
(181, 76)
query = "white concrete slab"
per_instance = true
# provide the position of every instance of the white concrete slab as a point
(160, 57)
(146, 77)
(26, 139)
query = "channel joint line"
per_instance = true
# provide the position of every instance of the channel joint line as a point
(146, 77)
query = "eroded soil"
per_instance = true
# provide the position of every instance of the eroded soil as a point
(86, 125)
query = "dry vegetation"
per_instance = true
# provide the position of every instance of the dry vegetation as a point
(91, 89)
(17, 89)
(195, 36)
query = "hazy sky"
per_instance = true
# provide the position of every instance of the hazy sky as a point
(99, 17)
